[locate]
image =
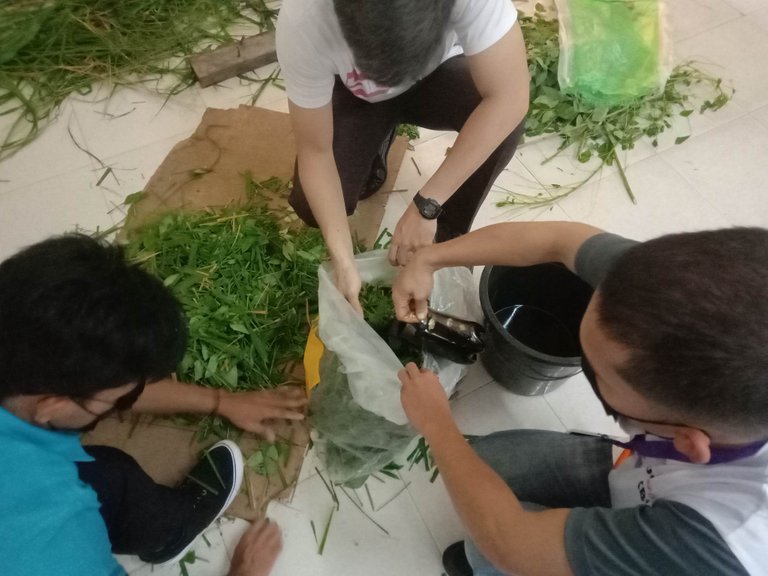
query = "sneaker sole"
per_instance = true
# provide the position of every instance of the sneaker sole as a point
(237, 457)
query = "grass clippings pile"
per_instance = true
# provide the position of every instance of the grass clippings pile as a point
(248, 287)
(600, 132)
(50, 49)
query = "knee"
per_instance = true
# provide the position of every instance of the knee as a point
(115, 457)
(500, 449)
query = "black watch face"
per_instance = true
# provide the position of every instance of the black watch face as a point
(428, 208)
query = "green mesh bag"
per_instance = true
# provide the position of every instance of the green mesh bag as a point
(612, 51)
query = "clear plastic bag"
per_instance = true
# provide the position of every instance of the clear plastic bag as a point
(613, 51)
(356, 406)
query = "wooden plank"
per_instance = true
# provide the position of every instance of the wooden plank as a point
(233, 59)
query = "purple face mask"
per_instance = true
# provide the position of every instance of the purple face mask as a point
(663, 447)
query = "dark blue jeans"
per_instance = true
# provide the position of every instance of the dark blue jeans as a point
(545, 470)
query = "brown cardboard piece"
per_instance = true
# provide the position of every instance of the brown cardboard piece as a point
(207, 171)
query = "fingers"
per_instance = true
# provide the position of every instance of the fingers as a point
(257, 551)
(404, 313)
(290, 397)
(261, 430)
(399, 254)
(402, 304)
(392, 254)
(264, 532)
(420, 308)
(286, 415)
(412, 370)
(355, 302)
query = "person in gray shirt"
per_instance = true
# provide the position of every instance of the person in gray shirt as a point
(673, 345)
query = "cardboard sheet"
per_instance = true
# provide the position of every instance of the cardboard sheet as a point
(207, 171)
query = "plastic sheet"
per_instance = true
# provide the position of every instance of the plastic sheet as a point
(356, 407)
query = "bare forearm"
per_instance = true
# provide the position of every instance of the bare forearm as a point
(322, 188)
(500, 74)
(493, 516)
(490, 123)
(168, 396)
(511, 244)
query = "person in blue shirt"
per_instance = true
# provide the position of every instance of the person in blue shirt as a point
(84, 334)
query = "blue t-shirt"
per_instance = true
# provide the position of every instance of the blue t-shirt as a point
(49, 519)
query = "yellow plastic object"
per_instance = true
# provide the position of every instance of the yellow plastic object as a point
(312, 354)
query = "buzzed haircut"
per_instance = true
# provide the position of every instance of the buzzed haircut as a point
(692, 309)
(394, 41)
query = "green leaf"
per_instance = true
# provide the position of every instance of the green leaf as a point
(547, 100)
(238, 327)
(231, 377)
(171, 280)
(599, 114)
(681, 139)
(133, 198)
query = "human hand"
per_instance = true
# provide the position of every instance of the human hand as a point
(412, 232)
(348, 282)
(424, 400)
(257, 551)
(253, 411)
(411, 290)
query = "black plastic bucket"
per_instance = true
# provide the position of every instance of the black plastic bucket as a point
(532, 318)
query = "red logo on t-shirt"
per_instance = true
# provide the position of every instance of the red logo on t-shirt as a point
(361, 86)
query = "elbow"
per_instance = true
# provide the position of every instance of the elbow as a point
(516, 104)
(501, 558)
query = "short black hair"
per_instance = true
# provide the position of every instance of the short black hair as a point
(76, 318)
(692, 309)
(394, 41)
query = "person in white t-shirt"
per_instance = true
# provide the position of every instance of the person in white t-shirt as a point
(355, 69)
(674, 345)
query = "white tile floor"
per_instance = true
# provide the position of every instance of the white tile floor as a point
(717, 178)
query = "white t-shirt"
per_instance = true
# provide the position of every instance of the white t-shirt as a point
(733, 496)
(311, 48)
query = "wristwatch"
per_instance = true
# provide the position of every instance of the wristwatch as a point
(428, 208)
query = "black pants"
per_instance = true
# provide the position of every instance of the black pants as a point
(141, 516)
(443, 100)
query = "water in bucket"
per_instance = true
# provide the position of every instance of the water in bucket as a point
(539, 330)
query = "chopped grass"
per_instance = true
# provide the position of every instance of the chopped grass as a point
(50, 49)
(245, 285)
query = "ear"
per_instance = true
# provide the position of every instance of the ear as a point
(694, 443)
(49, 408)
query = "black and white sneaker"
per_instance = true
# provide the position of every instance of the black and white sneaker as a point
(378, 174)
(210, 488)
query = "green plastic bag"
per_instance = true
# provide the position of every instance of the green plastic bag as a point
(612, 51)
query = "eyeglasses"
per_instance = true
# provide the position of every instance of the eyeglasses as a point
(123, 403)
(589, 373)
